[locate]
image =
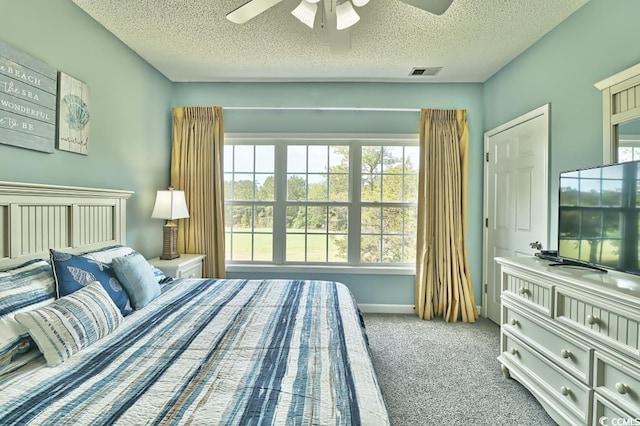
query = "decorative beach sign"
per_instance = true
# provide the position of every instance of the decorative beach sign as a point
(73, 115)
(27, 101)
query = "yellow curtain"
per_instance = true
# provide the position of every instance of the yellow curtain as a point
(197, 169)
(443, 281)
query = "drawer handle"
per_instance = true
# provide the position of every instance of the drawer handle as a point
(566, 353)
(592, 319)
(565, 391)
(513, 351)
(515, 322)
(622, 388)
(523, 291)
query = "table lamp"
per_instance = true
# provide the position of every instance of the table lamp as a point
(170, 205)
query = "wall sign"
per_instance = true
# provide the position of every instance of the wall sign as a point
(27, 101)
(74, 117)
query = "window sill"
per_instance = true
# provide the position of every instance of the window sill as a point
(321, 269)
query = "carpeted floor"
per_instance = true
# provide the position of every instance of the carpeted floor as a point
(437, 373)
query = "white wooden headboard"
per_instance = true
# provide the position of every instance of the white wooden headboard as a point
(35, 217)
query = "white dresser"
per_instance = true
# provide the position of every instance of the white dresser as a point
(572, 337)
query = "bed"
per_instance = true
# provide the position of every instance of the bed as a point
(201, 351)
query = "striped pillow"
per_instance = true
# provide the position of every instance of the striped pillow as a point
(25, 287)
(72, 323)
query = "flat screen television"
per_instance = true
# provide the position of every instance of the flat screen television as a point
(599, 209)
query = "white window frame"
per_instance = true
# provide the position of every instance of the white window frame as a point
(278, 264)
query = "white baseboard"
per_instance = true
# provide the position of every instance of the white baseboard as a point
(386, 308)
(369, 308)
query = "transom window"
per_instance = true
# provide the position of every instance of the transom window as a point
(316, 201)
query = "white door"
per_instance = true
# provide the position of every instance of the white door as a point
(515, 197)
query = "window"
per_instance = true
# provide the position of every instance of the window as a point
(331, 201)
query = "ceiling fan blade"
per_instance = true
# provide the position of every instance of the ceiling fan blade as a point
(250, 10)
(437, 7)
(339, 40)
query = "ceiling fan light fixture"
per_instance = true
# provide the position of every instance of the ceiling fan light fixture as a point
(359, 3)
(346, 15)
(306, 12)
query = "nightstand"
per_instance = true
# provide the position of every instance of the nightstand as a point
(185, 266)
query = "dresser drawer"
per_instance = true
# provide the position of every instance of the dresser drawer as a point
(192, 271)
(565, 351)
(573, 396)
(535, 295)
(607, 413)
(618, 382)
(611, 325)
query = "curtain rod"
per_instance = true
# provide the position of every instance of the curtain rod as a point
(273, 108)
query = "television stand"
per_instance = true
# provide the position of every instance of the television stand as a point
(564, 262)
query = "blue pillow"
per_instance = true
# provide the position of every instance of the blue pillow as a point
(137, 278)
(75, 272)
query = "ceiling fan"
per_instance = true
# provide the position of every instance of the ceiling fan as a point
(337, 15)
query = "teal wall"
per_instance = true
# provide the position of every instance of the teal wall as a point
(597, 41)
(129, 145)
(131, 104)
(374, 289)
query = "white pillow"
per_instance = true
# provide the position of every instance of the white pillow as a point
(72, 323)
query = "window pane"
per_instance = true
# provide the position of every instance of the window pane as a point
(296, 218)
(410, 249)
(295, 248)
(241, 244)
(411, 159)
(242, 218)
(371, 159)
(338, 219)
(411, 188)
(370, 249)
(393, 159)
(370, 220)
(263, 247)
(264, 219)
(227, 246)
(228, 186)
(339, 187)
(316, 248)
(296, 188)
(392, 188)
(317, 219)
(265, 159)
(296, 158)
(371, 188)
(410, 220)
(392, 249)
(392, 220)
(317, 188)
(318, 157)
(243, 187)
(265, 190)
(338, 248)
(228, 158)
(243, 158)
(339, 158)
(228, 218)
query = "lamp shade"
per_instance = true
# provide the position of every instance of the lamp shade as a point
(346, 15)
(359, 3)
(170, 205)
(306, 12)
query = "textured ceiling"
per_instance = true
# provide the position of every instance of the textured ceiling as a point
(191, 40)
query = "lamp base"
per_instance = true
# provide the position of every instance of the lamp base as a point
(170, 241)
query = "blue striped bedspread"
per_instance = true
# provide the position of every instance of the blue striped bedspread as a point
(209, 352)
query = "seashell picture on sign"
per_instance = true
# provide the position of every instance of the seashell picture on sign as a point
(73, 115)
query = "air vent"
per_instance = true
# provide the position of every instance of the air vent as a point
(424, 71)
